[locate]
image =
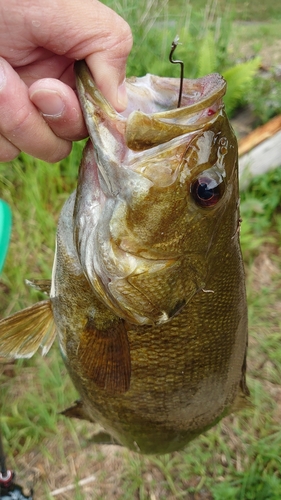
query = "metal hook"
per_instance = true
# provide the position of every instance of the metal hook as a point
(173, 48)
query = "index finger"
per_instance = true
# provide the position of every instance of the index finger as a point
(21, 122)
(90, 31)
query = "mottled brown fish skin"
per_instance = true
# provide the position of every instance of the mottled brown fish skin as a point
(181, 376)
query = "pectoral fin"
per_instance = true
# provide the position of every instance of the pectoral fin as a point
(43, 286)
(104, 356)
(24, 332)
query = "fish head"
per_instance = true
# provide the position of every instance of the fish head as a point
(157, 193)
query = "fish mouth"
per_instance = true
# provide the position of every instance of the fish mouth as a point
(150, 125)
(151, 117)
(129, 156)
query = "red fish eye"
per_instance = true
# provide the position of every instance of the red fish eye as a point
(206, 192)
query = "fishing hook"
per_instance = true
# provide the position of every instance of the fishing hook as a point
(173, 48)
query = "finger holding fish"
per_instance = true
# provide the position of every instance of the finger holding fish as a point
(22, 127)
(60, 108)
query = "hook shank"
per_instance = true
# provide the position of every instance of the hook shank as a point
(176, 61)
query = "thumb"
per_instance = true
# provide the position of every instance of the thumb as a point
(89, 30)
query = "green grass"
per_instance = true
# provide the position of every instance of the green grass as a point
(240, 457)
(231, 37)
(260, 209)
(242, 10)
(33, 207)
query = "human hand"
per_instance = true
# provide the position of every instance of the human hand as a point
(39, 41)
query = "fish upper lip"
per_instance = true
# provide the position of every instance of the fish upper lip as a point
(151, 119)
(197, 95)
(201, 99)
(154, 97)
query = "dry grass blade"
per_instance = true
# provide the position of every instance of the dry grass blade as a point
(70, 487)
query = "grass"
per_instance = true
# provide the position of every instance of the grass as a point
(215, 35)
(245, 11)
(239, 459)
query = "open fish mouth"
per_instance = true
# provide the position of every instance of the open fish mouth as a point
(134, 176)
(152, 116)
(150, 125)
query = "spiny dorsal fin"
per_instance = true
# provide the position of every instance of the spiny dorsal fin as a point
(24, 332)
(104, 356)
(40, 285)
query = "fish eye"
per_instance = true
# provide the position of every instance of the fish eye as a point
(206, 191)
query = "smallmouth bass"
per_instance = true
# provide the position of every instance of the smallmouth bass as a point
(148, 292)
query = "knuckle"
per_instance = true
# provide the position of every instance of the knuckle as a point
(9, 156)
(21, 119)
(57, 153)
(12, 123)
(125, 36)
(119, 41)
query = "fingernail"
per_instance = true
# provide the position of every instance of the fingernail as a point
(49, 102)
(122, 96)
(2, 76)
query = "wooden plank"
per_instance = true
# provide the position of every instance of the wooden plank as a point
(259, 135)
(259, 160)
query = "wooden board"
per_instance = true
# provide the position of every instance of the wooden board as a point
(260, 151)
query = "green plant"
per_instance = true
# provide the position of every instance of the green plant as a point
(204, 40)
(265, 97)
(260, 211)
(240, 81)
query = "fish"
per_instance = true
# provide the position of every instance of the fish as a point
(147, 297)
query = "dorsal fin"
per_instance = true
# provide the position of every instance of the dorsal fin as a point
(24, 332)
(40, 285)
(104, 356)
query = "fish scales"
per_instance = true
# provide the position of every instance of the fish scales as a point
(148, 289)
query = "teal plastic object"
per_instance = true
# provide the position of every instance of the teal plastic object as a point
(5, 230)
